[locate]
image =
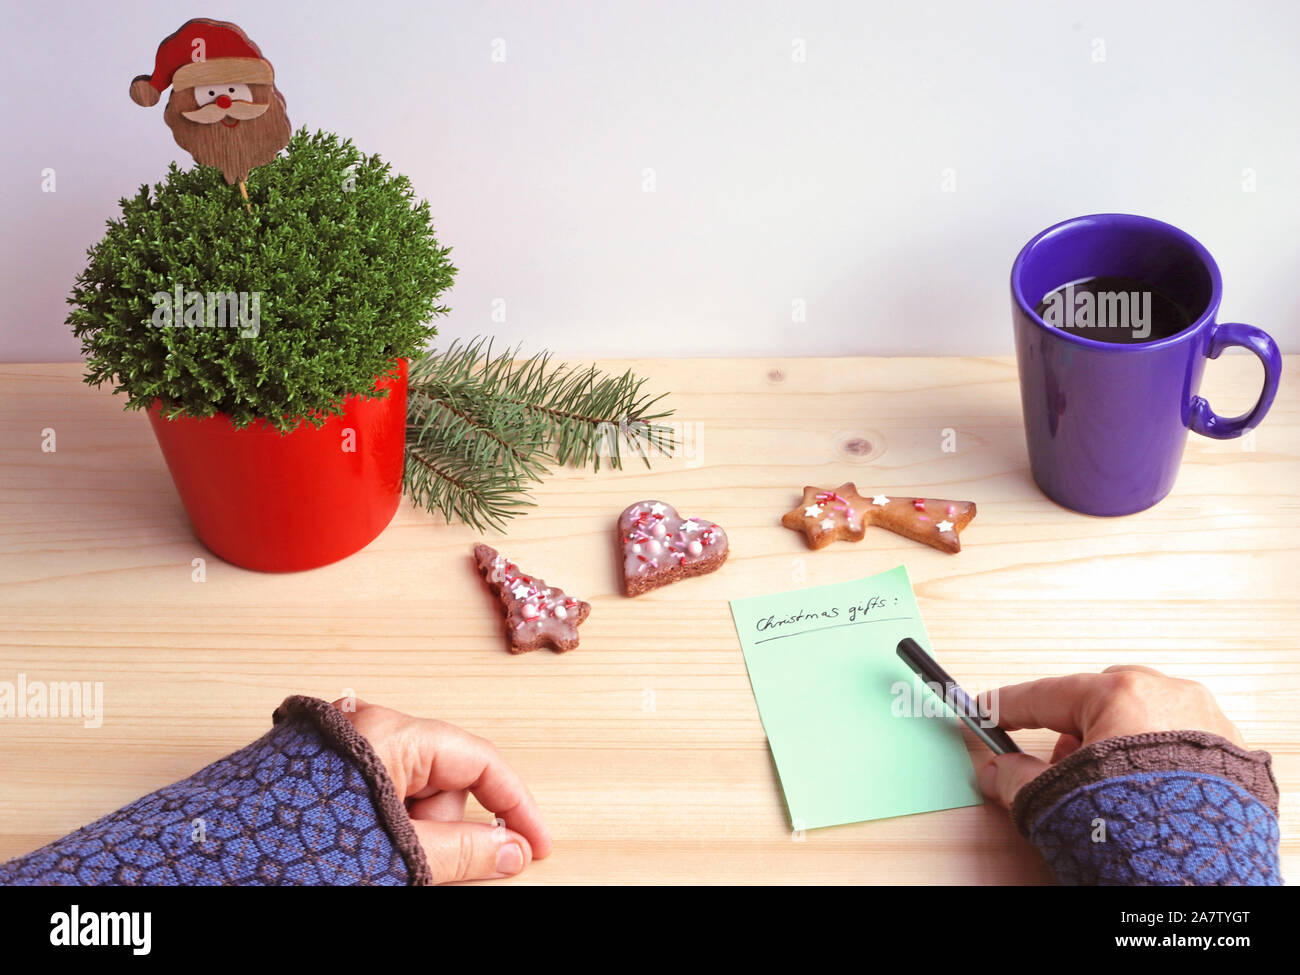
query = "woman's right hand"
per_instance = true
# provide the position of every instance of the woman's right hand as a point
(1084, 708)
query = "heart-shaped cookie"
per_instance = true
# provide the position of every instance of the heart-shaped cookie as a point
(659, 546)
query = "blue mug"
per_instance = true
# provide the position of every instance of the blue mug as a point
(1106, 423)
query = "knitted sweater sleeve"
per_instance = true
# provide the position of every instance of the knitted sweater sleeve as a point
(1168, 808)
(307, 803)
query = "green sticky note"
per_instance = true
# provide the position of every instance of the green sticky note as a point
(854, 733)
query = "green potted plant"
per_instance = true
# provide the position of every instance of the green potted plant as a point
(268, 343)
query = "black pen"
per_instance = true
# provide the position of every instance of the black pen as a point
(931, 674)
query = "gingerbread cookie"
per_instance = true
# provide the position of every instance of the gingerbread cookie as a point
(843, 514)
(660, 547)
(537, 615)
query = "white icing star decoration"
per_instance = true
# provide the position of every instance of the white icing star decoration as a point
(880, 499)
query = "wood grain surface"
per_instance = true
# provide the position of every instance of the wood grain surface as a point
(643, 746)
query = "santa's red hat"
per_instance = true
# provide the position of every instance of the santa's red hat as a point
(203, 52)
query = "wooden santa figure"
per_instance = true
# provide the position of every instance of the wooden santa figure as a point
(224, 109)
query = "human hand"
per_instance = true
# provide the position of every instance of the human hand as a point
(1084, 708)
(434, 767)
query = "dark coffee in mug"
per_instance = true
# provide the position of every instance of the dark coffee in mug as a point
(1114, 309)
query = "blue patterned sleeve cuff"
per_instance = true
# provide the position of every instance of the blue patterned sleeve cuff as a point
(307, 803)
(1173, 808)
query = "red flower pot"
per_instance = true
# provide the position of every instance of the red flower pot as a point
(284, 502)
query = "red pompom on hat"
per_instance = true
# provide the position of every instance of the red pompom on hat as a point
(203, 52)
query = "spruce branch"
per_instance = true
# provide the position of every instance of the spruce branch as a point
(482, 427)
(477, 431)
(584, 413)
(439, 480)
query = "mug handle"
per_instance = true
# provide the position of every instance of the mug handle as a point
(1208, 423)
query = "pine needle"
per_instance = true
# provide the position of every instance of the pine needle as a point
(481, 428)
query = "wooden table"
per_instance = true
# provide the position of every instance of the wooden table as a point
(643, 747)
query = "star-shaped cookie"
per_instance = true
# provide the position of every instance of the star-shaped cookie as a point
(827, 516)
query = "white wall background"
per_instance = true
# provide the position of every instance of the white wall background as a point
(776, 179)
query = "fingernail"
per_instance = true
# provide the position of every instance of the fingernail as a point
(510, 859)
(988, 779)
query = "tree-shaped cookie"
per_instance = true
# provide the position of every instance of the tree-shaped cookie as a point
(537, 615)
(825, 516)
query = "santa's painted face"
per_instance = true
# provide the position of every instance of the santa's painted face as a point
(228, 104)
(253, 129)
